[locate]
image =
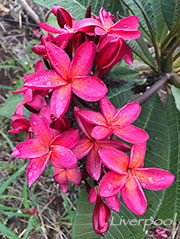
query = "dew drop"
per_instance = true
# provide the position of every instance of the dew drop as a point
(150, 179)
(34, 123)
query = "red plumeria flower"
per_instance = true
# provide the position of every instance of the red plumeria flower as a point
(126, 28)
(68, 77)
(129, 176)
(160, 233)
(32, 211)
(118, 123)
(64, 175)
(101, 214)
(45, 147)
(90, 146)
(113, 202)
(68, 25)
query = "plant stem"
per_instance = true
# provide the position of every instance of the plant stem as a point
(171, 51)
(143, 98)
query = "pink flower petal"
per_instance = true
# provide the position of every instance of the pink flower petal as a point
(35, 168)
(131, 22)
(85, 127)
(39, 66)
(127, 35)
(93, 163)
(138, 152)
(107, 109)
(74, 175)
(63, 158)
(154, 178)
(60, 100)
(41, 80)
(114, 159)
(131, 133)
(60, 176)
(92, 195)
(41, 129)
(128, 56)
(30, 148)
(115, 144)
(67, 139)
(83, 59)
(101, 132)
(49, 28)
(82, 148)
(92, 117)
(127, 114)
(89, 88)
(133, 196)
(111, 184)
(114, 203)
(59, 59)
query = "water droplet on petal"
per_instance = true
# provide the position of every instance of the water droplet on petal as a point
(34, 123)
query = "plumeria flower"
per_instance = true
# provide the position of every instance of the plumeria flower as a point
(68, 77)
(64, 175)
(160, 233)
(32, 211)
(128, 176)
(126, 28)
(101, 214)
(116, 122)
(113, 202)
(90, 146)
(44, 147)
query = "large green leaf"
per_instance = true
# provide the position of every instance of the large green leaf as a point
(155, 121)
(123, 73)
(176, 94)
(170, 10)
(120, 95)
(78, 7)
(140, 47)
(171, 204)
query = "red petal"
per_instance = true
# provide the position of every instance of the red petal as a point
(101, 132)
(67, 139)
(82, 148)
(107, 109)
(127, 34)
(133, 196)
(89, 88)
(83, 59)
(115, 144)
(59, 59)
(138, 152)
(131, 133)
(92, 117)
(114, 203)
(35, 168)
(74, 175)
(85, 127)
(131, 22)
(49, 28)
(60, 176)
(154, 178)
(111, 184)
(92, 195)
(39, 66)
(114, 159)
(41, 129)
(63, 158)
(93, 163)
(30, 148)
(60, 100)
(41, 80)
(127, 114)
(128, 56)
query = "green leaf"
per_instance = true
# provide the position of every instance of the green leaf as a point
(25, 197)
(12, 178)
(8, 109)
(141, 49)
(78, 7)
(171, 204)
(154, 120)
(29, 226)
(170, 10)
(123, 73)
(176, 94)
(160, 23)
(120, 95)
(5, 231)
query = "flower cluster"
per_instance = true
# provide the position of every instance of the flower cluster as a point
(76, 56)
